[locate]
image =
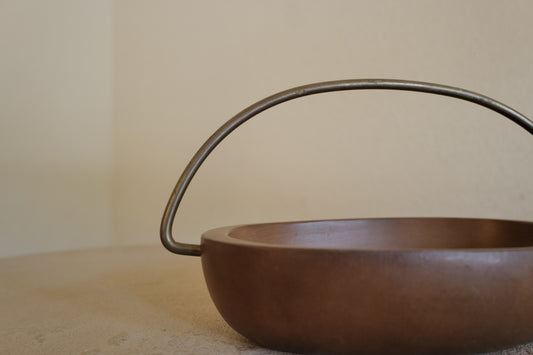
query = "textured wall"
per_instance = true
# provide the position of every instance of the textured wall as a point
(55, 125)
(128, 90)
(183, 68)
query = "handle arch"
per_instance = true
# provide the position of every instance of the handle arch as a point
(355, 84)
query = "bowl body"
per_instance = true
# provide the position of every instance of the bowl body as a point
(375, 286)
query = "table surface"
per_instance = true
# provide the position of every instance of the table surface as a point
(119, 300)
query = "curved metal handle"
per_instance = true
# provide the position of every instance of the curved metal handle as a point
(311, 89)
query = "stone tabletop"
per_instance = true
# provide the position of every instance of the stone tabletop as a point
(119, 300)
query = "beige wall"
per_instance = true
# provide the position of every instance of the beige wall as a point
(181, 69)
(55, 125)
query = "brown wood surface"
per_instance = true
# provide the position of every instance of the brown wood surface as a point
(383, 286)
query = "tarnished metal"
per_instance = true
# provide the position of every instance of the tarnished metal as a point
(357, 84)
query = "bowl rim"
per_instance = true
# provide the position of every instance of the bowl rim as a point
(223, 235)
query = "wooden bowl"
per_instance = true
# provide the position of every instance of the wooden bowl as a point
(375, 286)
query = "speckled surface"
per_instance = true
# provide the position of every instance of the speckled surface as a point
(121, 300)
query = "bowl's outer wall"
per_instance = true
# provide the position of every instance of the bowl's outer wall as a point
(372, 302)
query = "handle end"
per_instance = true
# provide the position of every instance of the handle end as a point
(179, 248)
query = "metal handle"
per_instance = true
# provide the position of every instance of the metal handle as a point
(311, 89)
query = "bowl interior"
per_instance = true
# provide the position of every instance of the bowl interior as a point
(392, 233)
